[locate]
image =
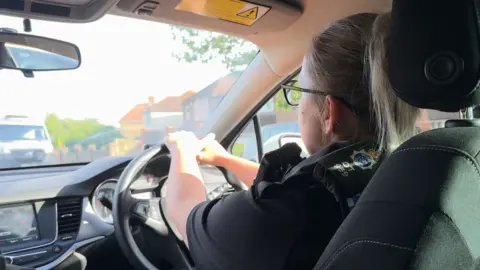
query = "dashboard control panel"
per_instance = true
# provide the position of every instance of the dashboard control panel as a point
(220, 191)
(36, 233)
(40, 233)
(18, 224)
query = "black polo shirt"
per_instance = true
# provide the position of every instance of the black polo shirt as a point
(244, 231)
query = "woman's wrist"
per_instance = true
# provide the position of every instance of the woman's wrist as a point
(184, 163)
(224, 160)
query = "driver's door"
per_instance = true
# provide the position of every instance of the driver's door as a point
(277, 125)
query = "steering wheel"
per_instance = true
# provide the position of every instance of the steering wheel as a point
(147, 211)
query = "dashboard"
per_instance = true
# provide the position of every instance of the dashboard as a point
(47, 214)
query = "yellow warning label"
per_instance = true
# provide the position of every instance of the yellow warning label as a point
(236, 11)
(249, 14)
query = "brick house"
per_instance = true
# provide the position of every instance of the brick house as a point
(168, 111)
(197, 108)
(132, 123)
(153, 116)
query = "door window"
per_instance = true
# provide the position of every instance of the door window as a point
(432, 119)
(278, 125)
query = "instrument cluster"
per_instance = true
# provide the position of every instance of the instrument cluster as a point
(102, 198)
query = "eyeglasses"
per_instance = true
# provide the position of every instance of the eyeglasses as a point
(293, 94)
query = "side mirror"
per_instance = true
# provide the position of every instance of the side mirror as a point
(34, 53)
(281, 139)
(285, 138)
(290, 138)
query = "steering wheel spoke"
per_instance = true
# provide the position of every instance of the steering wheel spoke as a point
(147, 211)
(127, 208)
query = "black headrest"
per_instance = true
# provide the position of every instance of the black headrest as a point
(434, 53)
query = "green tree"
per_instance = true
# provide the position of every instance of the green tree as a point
(204, 46)
(66, 132)
(280, 102)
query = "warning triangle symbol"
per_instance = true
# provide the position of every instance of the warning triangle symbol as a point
(249, 13)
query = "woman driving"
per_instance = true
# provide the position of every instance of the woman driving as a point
(349, 120)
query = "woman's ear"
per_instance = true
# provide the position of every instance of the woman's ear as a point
(333, 115)
(342, 121)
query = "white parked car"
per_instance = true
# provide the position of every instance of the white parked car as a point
(24, 141)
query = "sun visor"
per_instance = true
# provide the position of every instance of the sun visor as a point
(57, 10)
(234, 16)
(434, 59)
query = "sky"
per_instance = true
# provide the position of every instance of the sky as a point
(124, 61)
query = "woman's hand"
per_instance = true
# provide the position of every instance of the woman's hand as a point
(185, 144)
(185, 187)
(213, 153)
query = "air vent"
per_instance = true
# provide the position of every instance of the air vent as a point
(69, 215)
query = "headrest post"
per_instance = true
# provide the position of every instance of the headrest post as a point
(469, 113)
(466, 113)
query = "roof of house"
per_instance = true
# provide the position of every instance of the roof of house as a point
(187, 94)
(168, 104)
(218, 87)
(225, 83)
(135, 114)
(172, 103)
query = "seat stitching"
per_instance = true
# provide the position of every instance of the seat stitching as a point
(456, 152)
(433, 148)
(476, 155)
(349, 245)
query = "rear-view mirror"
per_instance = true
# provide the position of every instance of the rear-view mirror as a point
(34, 53)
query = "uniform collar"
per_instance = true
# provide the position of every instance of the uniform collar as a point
(351, 164)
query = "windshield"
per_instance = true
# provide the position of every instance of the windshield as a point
(21, 132)
(134, 82)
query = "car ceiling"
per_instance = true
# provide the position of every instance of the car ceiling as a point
(283, 33)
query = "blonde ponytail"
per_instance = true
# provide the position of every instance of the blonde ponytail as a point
(395, 119)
